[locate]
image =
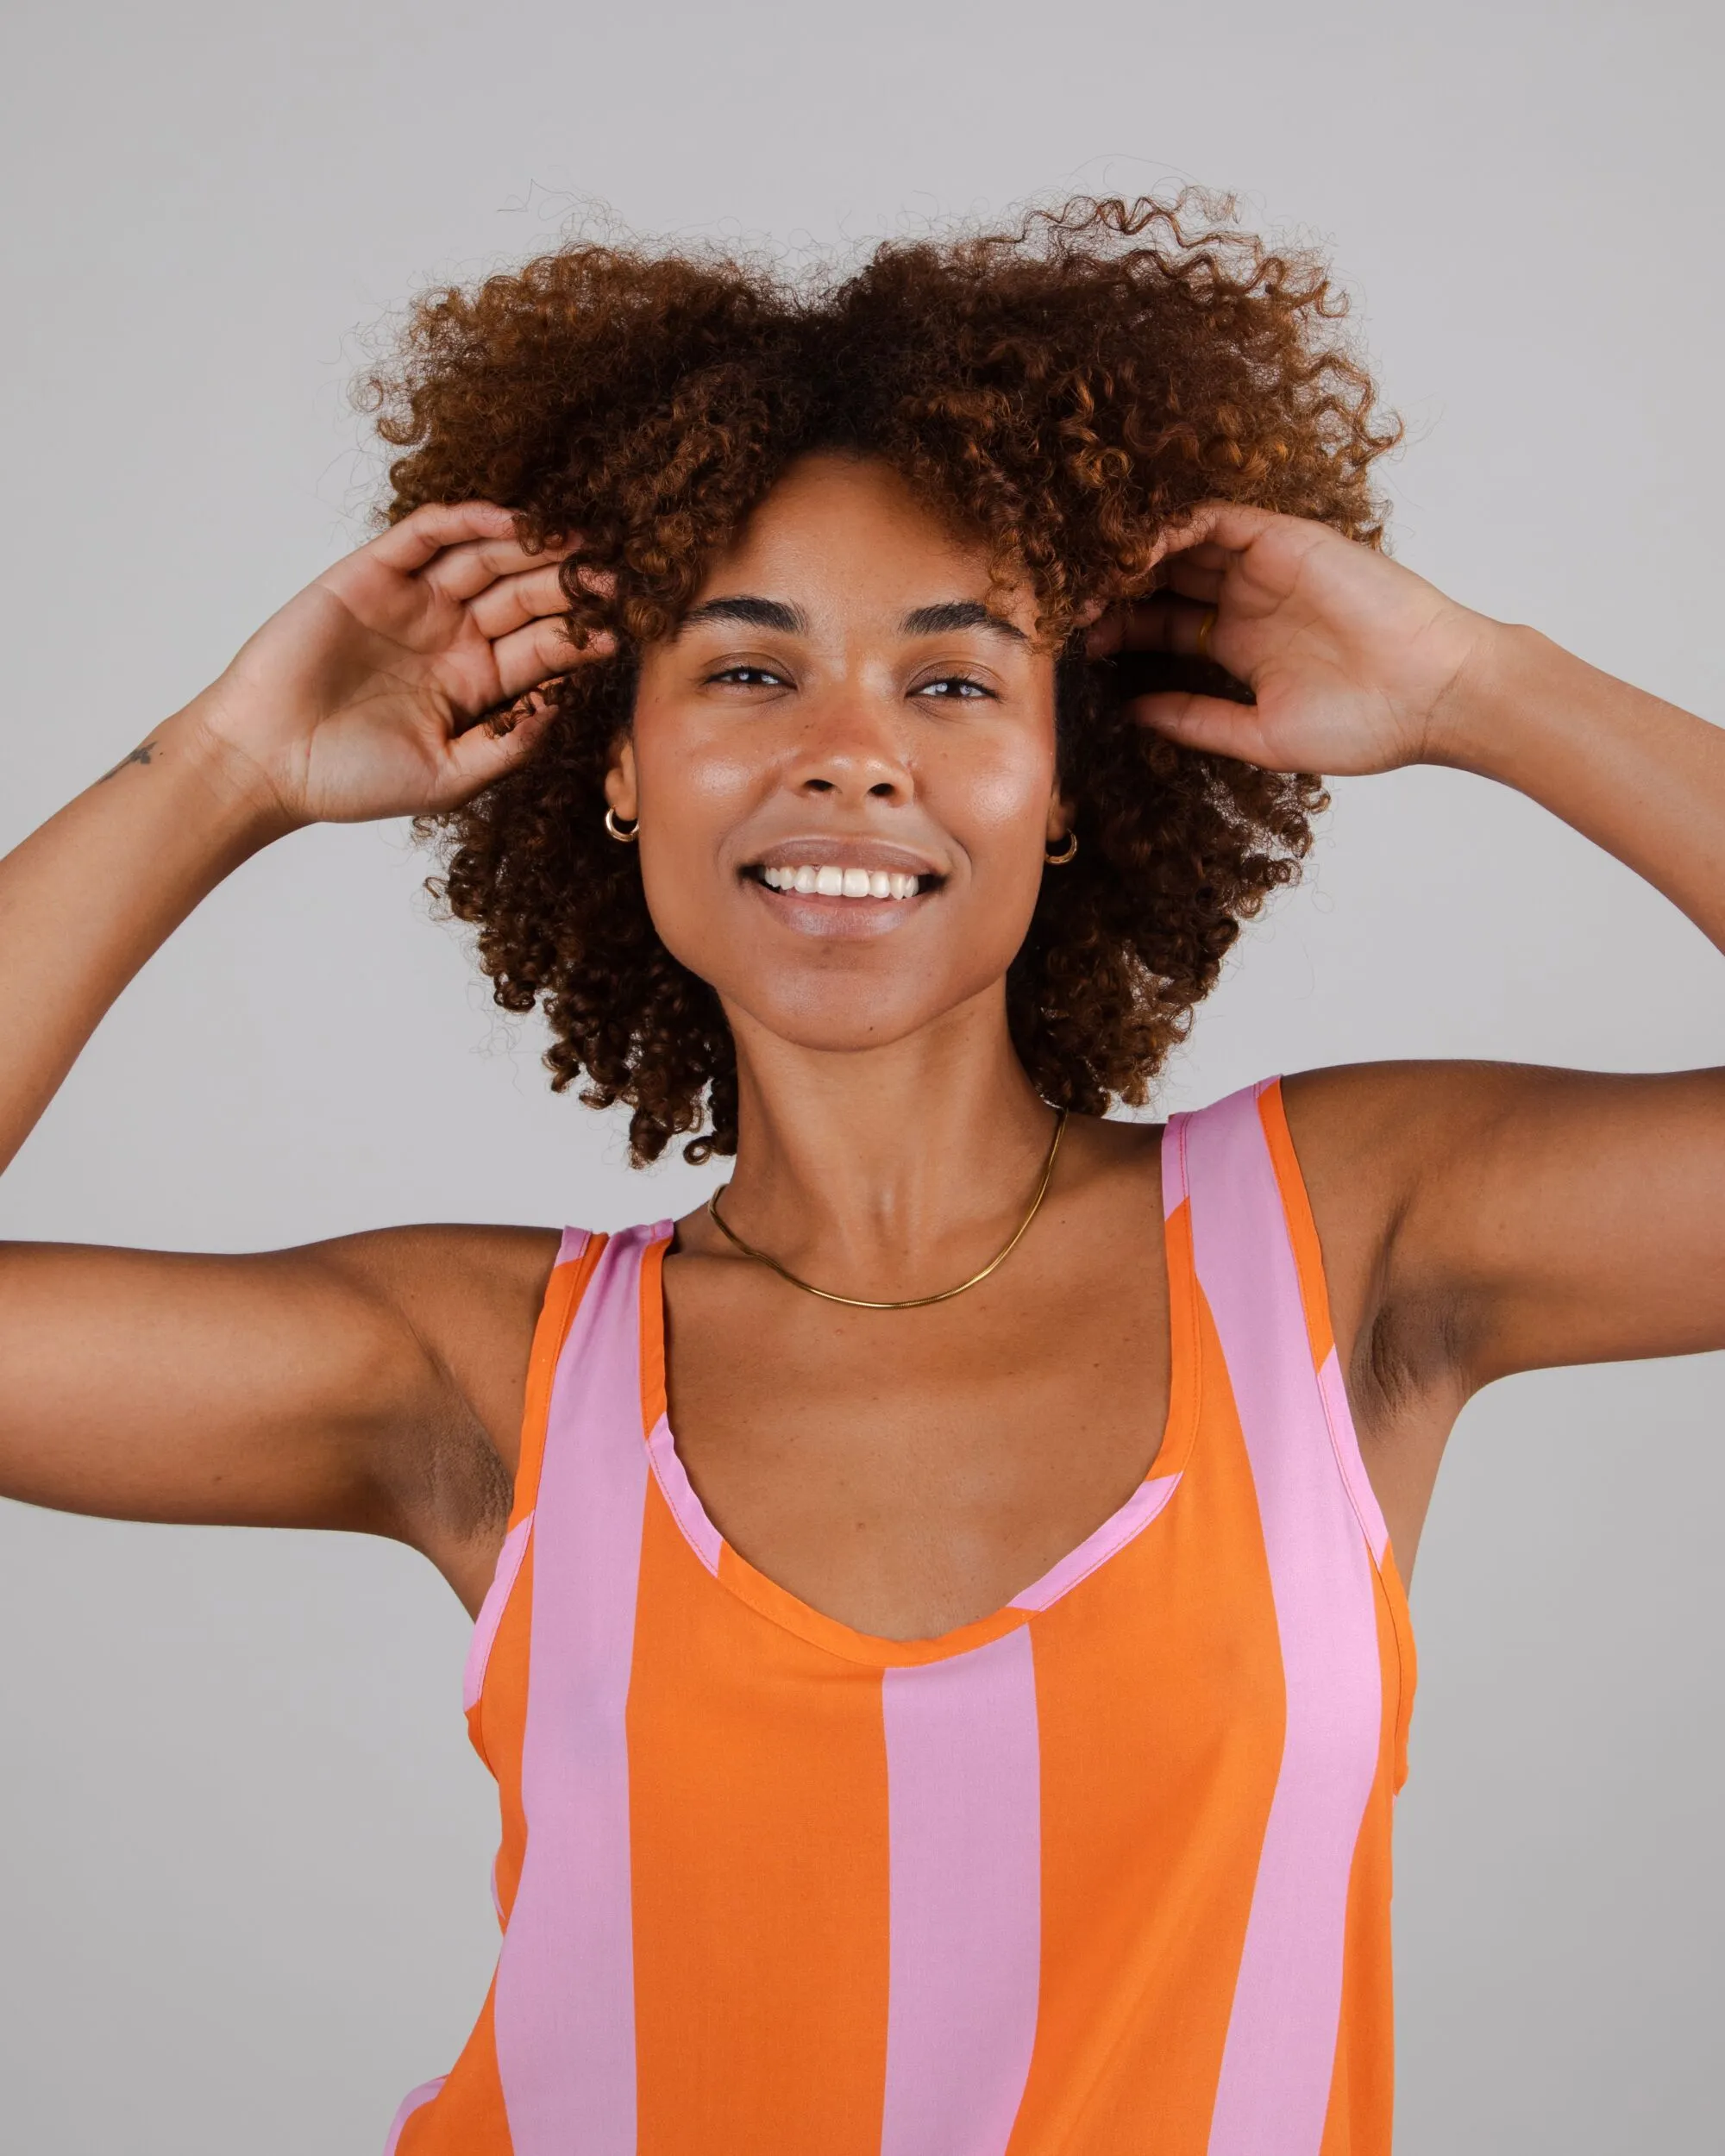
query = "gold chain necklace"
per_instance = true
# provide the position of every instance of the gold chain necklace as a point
(911, 1302)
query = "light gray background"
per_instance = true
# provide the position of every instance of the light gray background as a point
(243, 1848)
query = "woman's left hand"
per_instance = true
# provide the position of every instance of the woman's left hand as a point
(1354, 661)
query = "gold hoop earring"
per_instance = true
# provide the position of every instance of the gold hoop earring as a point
(623, 837)
(1059, 861)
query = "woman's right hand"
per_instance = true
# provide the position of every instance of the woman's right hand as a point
(360, 699)
(296, 1390)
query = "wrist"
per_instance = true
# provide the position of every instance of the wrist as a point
(246, 799)
(1491, 710)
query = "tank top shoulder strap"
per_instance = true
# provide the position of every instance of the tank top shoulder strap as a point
(588, 1349)
(1256, 1255)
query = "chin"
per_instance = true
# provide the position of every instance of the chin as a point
(836, 1014)
(842, 996)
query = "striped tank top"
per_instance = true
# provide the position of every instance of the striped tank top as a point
(1108, 1870)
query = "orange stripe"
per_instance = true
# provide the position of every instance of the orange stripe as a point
(499, 1722)
(655, 1401)
(467, 2117)
(1160, 1699)
(1302, 1229)
(1185, 1344)
(758, 1823)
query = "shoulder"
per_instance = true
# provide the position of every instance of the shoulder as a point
(466, 1298)
(488, 1262)
(1376, 1141)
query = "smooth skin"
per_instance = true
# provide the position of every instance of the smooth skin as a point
(851, 682)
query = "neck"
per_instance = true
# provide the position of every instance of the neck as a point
(880, 1170)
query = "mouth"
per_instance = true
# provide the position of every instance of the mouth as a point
(838, 886)
(827, 879)
(862, 872)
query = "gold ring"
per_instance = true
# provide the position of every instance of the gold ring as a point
(1204, 628)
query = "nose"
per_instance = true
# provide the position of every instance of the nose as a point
(851, 751)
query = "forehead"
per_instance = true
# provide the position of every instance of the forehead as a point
(847, 535)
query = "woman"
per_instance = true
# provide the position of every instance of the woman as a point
(977, 1727)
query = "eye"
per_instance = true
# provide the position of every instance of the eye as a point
(953, 688)
(749, 677)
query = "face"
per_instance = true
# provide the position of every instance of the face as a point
(843, 768)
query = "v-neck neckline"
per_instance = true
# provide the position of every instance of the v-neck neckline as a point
(1122, 1526)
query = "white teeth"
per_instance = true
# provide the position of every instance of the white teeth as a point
(831, 882)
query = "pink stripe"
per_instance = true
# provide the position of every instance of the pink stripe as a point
(409, 2103)
(1280, 2054)
(575, 1242)
(964, 1826)
(1115, 1532)
(678, 1493)
(565, 1999)
(1346, 1444)
(491, 1611)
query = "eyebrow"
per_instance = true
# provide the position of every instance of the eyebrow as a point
(959, 613)
(752, 612)
(940, 620)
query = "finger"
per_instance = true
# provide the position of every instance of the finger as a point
(1209, 556)
(1166, 623)
(1229, 526)
(513, 601)
(1211, 723)
(541, 652)
(482, 753)
(461, 573)
(1192, 580)
(411, 543)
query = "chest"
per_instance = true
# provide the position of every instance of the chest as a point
(910, 1471)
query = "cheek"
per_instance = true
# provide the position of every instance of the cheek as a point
(695, 789)
(693, 776)
(996, 805)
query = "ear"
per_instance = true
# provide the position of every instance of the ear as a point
(1061, 817)
(621, 792)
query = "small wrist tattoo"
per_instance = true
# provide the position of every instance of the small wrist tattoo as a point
(138, 755)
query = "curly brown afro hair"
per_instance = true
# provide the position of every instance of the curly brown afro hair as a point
(1062, 390)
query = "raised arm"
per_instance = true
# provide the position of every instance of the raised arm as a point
(324, 1387)
(1478, 1218)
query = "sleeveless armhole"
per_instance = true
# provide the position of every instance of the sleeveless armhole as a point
(577, 1256)
(1308, 1258)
